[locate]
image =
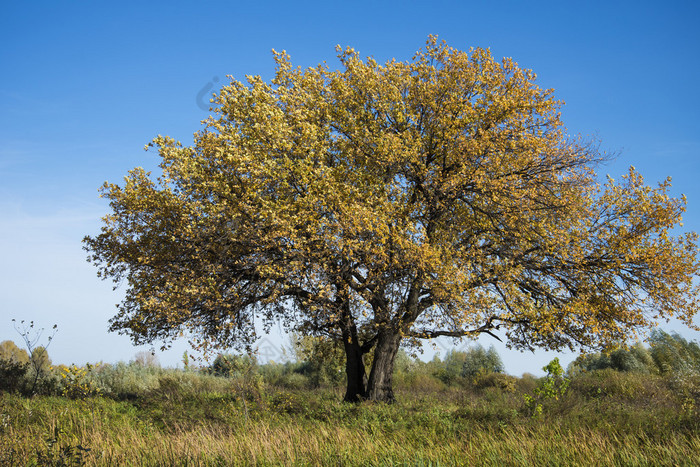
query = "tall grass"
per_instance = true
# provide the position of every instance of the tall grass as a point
(131, 414)
(185, 418)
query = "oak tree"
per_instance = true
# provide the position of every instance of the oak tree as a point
(380, 205)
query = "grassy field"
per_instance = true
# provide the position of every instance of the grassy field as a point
(131, 415)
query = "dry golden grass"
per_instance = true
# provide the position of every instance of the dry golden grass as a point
(421, 431)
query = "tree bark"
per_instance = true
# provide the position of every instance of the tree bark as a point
(380, 387)
(355, 371)
(354, 366)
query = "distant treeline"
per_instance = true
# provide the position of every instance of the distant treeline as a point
(319, 363)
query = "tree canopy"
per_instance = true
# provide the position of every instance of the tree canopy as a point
(385, 204)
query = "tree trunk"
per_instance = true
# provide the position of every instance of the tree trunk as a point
(355, 371)
(380, 379)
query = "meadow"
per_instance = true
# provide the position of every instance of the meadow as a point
(635, 407)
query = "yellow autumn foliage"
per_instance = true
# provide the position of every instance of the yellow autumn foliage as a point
(378, 203)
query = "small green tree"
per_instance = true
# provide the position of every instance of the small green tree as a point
(552, 386)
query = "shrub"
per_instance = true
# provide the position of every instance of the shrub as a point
(404, 365)
(13, 375)
(169, 387)
(478, 360)
(39, 361)
(76, 382)
(233, 365)
(484, 379)
(672, 353)
(14, 367)
(686, 385)
(451, 368)
(125, 381)
(643, 356)
(633, 359)
(609, 382)
(20, 372)
(242, 371)
(423, 382)
(290, 403)
(295, 381)
(322, 360)
(526, 383)
(10, 352)
(460, 365)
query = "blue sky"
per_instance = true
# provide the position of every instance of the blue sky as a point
(84, 87)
